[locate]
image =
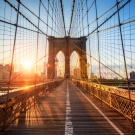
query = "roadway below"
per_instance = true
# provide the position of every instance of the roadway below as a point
(69, 110)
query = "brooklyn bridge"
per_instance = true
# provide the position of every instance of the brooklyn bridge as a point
(67, 67)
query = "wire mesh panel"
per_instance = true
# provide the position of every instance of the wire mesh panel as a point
(104, 41)
(24, 30)
(119, 102)
(110, 38)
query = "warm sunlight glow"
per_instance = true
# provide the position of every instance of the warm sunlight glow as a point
(74, 62)
(61, 64)
(27, 64)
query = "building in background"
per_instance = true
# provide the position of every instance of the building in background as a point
(6, 68)
(116, 78)
(6, 75)
(6, 71)
(132, 75)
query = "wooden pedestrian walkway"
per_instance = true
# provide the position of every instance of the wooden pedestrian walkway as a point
(69, 110)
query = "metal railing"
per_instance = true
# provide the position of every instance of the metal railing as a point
(114, 97)
(24, 101)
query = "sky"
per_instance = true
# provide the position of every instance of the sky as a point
(33, 5)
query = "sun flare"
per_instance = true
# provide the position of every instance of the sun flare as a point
(27, 64)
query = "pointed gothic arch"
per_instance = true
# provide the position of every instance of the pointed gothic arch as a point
(61, 64)
(67, 45)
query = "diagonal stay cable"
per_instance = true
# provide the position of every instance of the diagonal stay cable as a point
(79, 9)
(63, 16)
(107, 18)
(114, 26)
(110, 16)
(21, 27)
(100, 62)
(76, 18)
(98, 17)
(31, 65)
(71, 15)
(25, 17)
(83, 18)
(50, 16)
(37, 16)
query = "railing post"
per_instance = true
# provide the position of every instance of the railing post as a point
(110, 99)
(24, 104)
(34, 101)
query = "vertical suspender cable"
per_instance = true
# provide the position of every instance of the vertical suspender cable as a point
(79, 19)
(128, 83)
(71, 16)
(37, 44)
(47, 33)
(82, 17)
(11, 67)
(47, 18)
(55, 18)
(52, 20)
(89, 35)
(98, 50)
(4, 33)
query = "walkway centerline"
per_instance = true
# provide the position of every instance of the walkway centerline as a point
(68, 122)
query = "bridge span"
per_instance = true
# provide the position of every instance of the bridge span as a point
(43, 46)
(68, 109)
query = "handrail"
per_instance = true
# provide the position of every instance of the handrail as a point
(114, 97)
(25, 100)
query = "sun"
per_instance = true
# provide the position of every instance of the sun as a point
(27, 64)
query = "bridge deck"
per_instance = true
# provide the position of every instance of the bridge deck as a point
(65, 110)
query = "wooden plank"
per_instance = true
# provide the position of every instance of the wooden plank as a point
(49, 115)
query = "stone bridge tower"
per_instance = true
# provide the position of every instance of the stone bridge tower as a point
(67, 45)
